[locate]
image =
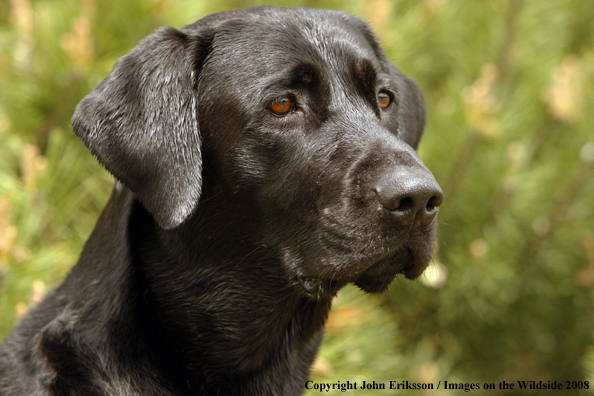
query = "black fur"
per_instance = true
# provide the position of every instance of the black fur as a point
(212, 268)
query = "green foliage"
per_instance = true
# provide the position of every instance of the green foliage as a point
(510, 293)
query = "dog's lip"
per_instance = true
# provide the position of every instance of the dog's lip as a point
(377, 279)
(310, 284)
(396, 262)
(381, 269)
(405, 261)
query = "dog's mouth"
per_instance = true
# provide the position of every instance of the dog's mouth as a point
(310, 285)
(375, 278)
(379, 277)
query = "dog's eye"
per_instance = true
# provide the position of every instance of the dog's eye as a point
(384, 100)
(282, 106)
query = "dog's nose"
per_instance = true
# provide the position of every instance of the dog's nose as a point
(411, 195)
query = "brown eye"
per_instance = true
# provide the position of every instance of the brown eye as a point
(282, 106)
(384, 100)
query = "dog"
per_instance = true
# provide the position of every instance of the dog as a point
(264, 159)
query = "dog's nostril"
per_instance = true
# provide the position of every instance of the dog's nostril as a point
(404, 204)
(410, 195)
(433, 203)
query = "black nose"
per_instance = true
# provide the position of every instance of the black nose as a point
(411, 195)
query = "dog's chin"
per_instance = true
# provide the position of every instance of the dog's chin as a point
(376, 279)
(375, 284)
(379, 277)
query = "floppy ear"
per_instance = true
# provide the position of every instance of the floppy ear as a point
(141, 122)
(411, 111)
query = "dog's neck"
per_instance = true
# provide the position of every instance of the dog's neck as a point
(193, 303)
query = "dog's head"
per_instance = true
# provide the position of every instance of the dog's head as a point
(306, 132)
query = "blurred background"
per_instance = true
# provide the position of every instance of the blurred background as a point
(510, 137)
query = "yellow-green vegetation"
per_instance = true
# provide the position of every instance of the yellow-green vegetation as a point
(510, 137)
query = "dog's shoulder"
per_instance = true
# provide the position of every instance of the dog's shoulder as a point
(75, 337)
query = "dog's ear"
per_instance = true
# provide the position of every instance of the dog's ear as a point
(411, 109)
(141, 122)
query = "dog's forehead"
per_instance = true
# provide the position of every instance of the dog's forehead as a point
(259, 49)
(272, 39)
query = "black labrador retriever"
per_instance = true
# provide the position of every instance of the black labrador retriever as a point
(265, 158)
